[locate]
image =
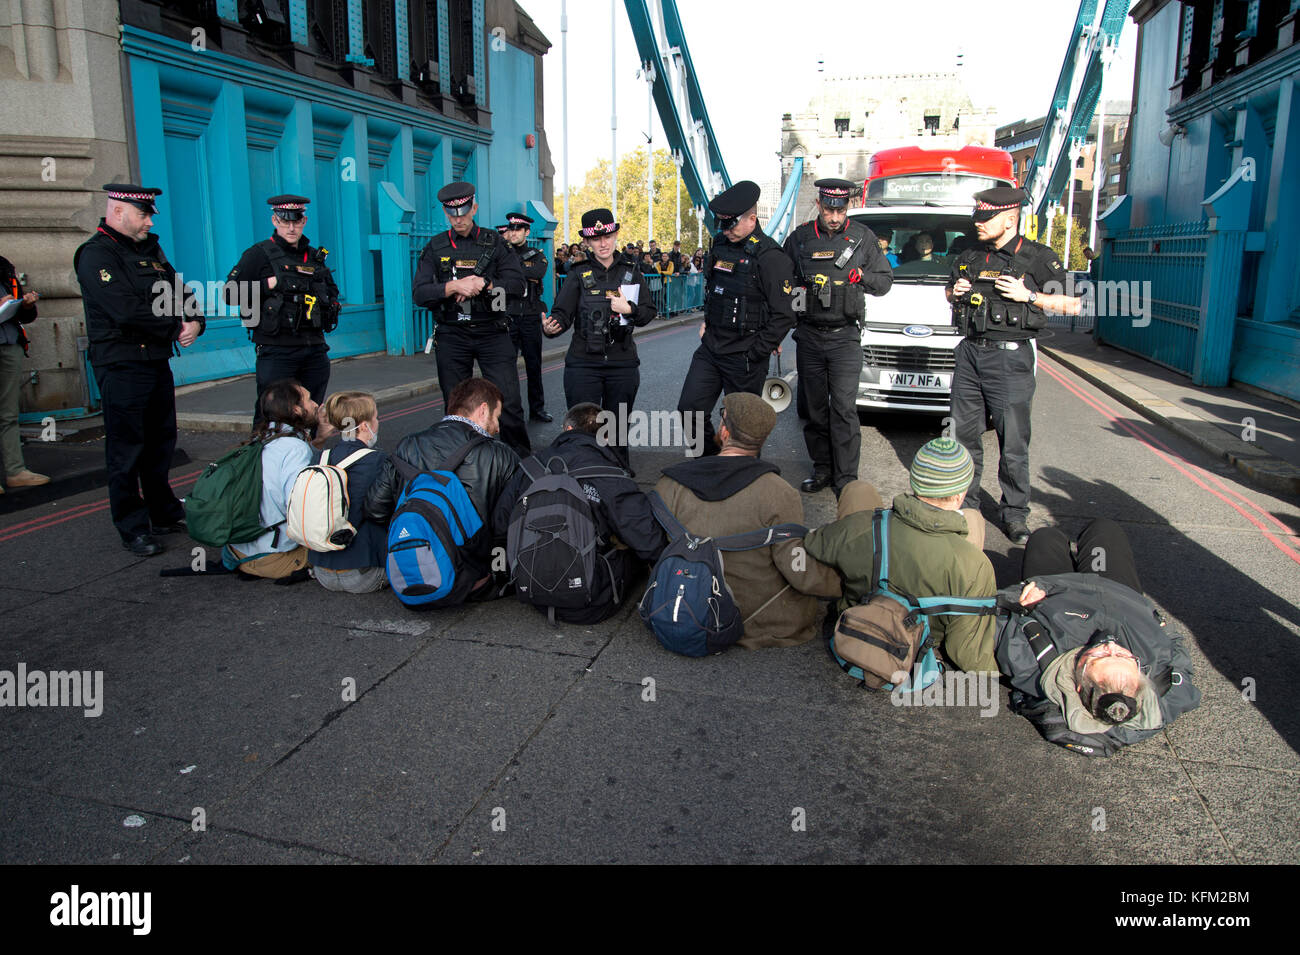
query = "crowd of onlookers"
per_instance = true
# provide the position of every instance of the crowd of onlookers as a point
(651, 258)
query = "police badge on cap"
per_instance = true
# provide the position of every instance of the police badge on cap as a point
(598, 222)
(517, 220)
(141, 197)
(834, 193)
(288, 208)
(456, 198)
(999, 199)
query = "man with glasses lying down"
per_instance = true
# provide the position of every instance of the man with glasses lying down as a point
(1091, 661)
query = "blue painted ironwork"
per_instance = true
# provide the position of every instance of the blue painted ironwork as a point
(480, 74)
(1074, 102)
(782, 220)
(298, 21)
(444, 46)
(357, 35)
(679, 100)
(403, 22)
(228, 10)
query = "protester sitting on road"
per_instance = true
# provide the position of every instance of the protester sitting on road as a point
(359, 567)
(935, 548)
(17, 308)
(777, 588)
(473, 410)
(287, 416)
(1093, 664)
(624, 519)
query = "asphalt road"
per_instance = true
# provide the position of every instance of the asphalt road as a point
(483, 734)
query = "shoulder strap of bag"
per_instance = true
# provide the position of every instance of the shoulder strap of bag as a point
(409, 472)
(350, 460)
(762, 537)
(597, 471)
(665, 517)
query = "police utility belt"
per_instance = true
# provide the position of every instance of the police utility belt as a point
(833, 300)
(477, 311)
(735, 301)
(301, 300)
(601, 328)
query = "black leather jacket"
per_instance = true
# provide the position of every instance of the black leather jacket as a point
(485, 471)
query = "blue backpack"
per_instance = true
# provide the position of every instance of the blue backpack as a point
(688, 604)
(434, 521)
(888, 635)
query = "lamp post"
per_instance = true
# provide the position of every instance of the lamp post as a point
(678, 159)
(564, 108)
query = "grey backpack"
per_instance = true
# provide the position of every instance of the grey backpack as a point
(554, 542)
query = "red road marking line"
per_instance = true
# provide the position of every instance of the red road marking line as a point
(1168, 456)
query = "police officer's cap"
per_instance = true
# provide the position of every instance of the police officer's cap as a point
(736, 201)
(518, 219)
(998, 199)
(598, 222)
(288, 208)
(503, 229)
(834, 193)
(456, 197)
(141, 197)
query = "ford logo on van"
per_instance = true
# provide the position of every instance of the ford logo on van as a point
(918, 331)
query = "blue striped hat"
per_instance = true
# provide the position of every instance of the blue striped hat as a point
(941, 468)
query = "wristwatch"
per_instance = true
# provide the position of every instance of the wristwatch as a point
(1033, 297)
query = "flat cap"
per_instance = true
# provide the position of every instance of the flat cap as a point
(749, 414)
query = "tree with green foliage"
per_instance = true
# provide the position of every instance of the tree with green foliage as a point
(633, 209)
(1077, 262)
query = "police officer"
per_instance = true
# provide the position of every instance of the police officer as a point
(297, 298)
(597, 300)
(135, 316)
(999, 303)
(466, 276)
(526, 311)
(748, 283)
(837, 261)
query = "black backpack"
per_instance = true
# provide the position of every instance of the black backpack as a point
(554, 542)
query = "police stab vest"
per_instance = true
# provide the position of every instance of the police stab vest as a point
(983, 310)
(734, 299)
(461, 258)
(597, 323)
(302, 300)
(825, 265)
(530, 303)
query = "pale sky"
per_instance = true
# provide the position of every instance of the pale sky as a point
(757, 60)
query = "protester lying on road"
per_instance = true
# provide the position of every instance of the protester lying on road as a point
(1093, 665)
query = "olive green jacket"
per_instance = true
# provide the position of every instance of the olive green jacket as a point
(929, 556)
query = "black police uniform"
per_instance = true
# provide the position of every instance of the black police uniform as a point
(288, 333)
(995, 362)
(747, 312)
(526, 319)
(837, 271)
(130, 349)
(473, 329)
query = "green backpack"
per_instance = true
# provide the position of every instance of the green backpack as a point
(225, 504)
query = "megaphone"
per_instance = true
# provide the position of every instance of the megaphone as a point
(776, 391)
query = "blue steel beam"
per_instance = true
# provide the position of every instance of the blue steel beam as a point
(1074, 101)
(783, 218)
(681, 111)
